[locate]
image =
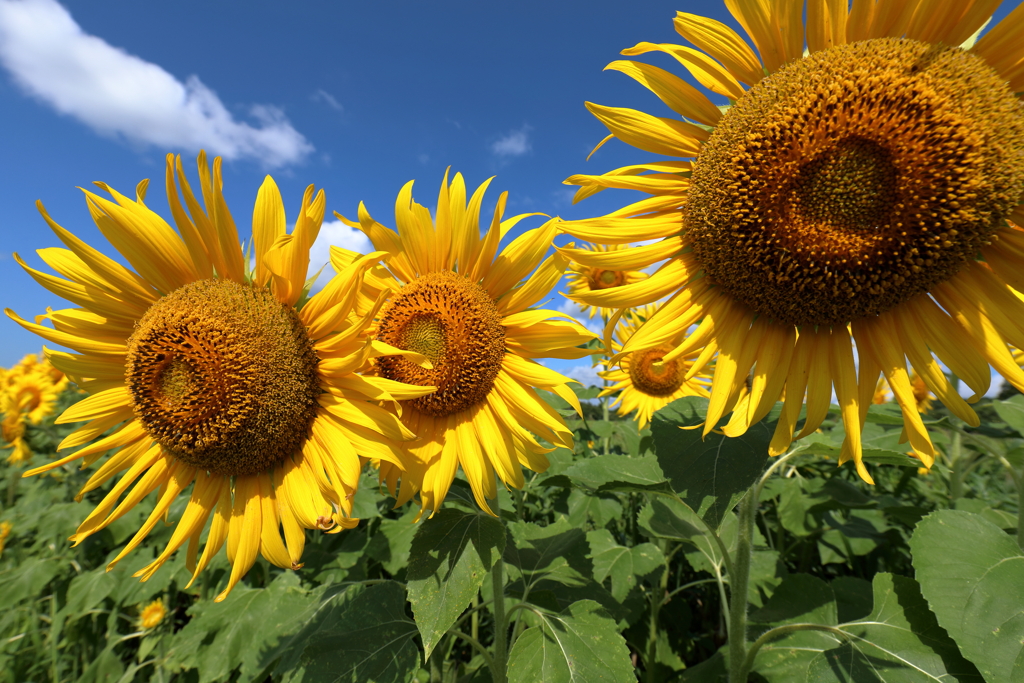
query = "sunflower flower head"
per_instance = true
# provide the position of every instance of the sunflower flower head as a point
(465, 305)
(882, 393)
(152, 614)
(859, 193)
(5, 531)
(643, 380)
(235, 388)
(586, 277)
(28, 393)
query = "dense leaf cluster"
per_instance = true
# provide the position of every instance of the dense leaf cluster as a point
(616, 564)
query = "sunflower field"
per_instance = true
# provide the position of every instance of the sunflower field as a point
(795, 462)
(618, 563)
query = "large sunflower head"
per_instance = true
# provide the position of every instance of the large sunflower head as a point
(858, 189)
(208, 377)
(589, 276)
(644, 381)
(466, 306)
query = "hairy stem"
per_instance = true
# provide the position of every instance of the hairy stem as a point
(738, 581)
(657, 601)
(499, 661)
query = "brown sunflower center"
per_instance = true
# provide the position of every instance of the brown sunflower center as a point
(223, 376)
(652, 375)
(605, 279)
(855, 178)
(455, 324)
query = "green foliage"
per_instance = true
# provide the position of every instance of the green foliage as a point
(972, 573)
(449, 559)
(615, 563)
(578, 645)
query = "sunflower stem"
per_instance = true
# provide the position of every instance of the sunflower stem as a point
(956, 475)
(738, 581)
(658, 600)
(499, 662)
(604, 416)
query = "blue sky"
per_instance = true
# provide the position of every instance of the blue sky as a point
(357, 98)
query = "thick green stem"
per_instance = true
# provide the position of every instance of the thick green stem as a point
(499, 662)
(739, 575)
(604, 416)
(657, 601)
(1018, 481)
(956, 475)
(738, 581)
(1020, 517)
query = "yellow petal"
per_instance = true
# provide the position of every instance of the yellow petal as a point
(706, 70)
(722, 43)
(680, 96)
(649, 133)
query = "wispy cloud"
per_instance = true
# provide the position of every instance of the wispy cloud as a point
(337, 234)
(327, 98)
(573, 310)
(584, 374)
(123, 96)
(515, 143)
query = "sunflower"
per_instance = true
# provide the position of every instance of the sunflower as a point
(5, 532)
(28, 393)
(647, 383)
(856, 193)
(590, 278)
(467, 308)
(205, 375)
(152, 614)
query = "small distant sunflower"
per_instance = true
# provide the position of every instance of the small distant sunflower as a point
(592, 277)
(646, 381)
(5, 532)
(28, 393)
(859, 193)
(466, 307)
(882, 393)
(922, 395)
(152, 614)
(205, 375)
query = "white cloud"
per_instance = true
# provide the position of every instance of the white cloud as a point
(514, 144)
(327, 98)
(337, 234)
(573, 310)
(585, 375)
(123, 96)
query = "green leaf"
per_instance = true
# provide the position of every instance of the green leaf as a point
(224, 636)
(586, 505)
(1011, 412)
(621, 564)
(29, 579)
(668, 518)
(853, 597)
(800, 598)
(557, 551)
(450, 556)
(710, 474)
(972, 574)
(711, 670)
(619, 473)
(899, 642)
(105, 668)
(391, 544)
(878, 456)
(580, 645)
(356, 634)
